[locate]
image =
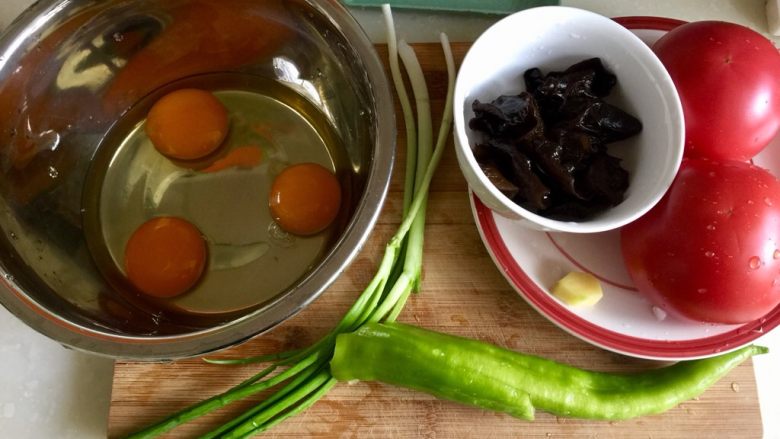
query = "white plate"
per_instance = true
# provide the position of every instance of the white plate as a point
(624, 321)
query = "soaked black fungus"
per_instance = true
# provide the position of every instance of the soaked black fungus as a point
(505, 117)
(546, 148)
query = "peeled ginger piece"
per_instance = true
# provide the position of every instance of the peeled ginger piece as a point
(578, 289)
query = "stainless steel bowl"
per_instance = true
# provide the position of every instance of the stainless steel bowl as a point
(58, 62)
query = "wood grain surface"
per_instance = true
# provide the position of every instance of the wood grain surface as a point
(464, 294)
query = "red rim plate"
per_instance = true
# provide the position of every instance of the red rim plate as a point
(543, 302)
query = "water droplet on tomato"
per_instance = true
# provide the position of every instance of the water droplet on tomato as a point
(712, 173)
(754, 262)
(751, 202)
(767, 201)
(709, 254)
(701, 290)
(710, 226)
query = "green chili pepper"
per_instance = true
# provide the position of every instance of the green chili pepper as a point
(490, 377)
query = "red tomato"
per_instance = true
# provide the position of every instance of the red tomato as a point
(728, 79)
(710, 249)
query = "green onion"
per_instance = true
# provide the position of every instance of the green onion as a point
(250, 360)
(307, 376)
(406, 109)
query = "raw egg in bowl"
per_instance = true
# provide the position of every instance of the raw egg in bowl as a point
(180, 176)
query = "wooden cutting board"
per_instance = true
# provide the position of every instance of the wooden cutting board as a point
(464, 294)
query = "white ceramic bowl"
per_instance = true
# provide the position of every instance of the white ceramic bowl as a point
(553, 38)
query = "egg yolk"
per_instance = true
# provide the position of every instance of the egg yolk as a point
(187, 124)
(305, 198)
(165, 257)
(242, 157)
